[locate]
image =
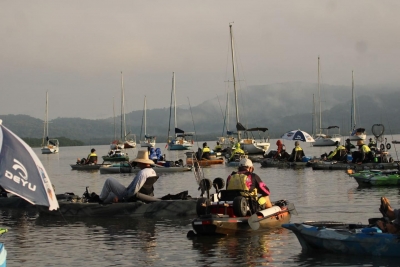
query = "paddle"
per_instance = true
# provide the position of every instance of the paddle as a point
(254, 221)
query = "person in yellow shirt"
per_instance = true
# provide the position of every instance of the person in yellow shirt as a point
(339, 153)
(206, 151)
(297, 153)
(364, 153)
(237, 152)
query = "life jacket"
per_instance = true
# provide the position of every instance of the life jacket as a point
(365, 149)
(206, 149)
(241, 181)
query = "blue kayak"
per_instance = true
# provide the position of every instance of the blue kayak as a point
(345, 238)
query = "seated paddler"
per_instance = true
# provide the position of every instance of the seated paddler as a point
(236, 152)
(246, 179)
(114, 191)
(339, 153)
(297, 153)
(206, 151)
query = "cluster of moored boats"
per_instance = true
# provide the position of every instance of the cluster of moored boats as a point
(227, 212)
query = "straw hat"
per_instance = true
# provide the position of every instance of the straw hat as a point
(143, 157)
(360, 142)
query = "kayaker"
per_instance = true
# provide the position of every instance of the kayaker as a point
(245, 179)
(114, 191)
(92, 157)
(218, 148)
(206, 151)
(281, 151)
(349, 145)
(297, 153)
(237, 152)
(364, 153)
(393, 226)
(339, 153)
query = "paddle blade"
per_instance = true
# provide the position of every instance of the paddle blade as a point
(254, 222)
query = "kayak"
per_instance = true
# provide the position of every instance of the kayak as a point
(222, 221)
(72, 205)
(267, 163)
(87, 167)
(376, 177)
(344, 238)
(205, 162)
(178, 205)
(125, 167)
(334, 165)
(229, 212)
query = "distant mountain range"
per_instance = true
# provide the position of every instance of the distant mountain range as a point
(280, 107)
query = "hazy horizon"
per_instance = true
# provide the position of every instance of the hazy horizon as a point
(76, 50)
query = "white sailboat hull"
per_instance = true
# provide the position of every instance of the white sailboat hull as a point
(146, 143)
(326, 141)
(50, 149)
(254, 147)
(357, 137)
(180, 146)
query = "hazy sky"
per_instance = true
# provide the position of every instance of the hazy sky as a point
(77, 49)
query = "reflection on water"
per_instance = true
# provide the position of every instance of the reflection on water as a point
(317, 195)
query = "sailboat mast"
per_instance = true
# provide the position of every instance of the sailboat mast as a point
(313, 115)
(115, 127)
(144, 116)
(173, 89)
(123, 126)
(234, 77)
(319, 96)
(45, 126)
(353, 103)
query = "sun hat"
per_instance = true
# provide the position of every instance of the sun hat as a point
(245, 162)
(143, 157)
(360, 142)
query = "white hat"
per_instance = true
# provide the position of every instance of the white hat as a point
(245, 162)
(143, 157)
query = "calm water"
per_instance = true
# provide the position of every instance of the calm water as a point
(318, 195)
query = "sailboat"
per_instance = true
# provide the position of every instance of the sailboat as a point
(324, 139)
(182, 140)
(129, 140)
(49, 146)
(356, 133)
(149, 141)
(249, 144)
(125, 141)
